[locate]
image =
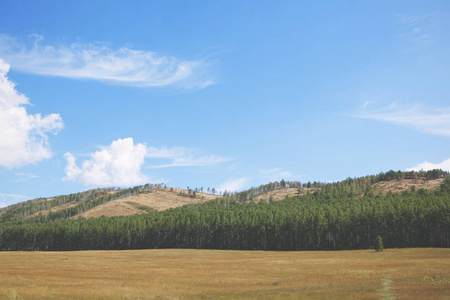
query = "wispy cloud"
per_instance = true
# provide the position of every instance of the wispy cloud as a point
(183, 157)
(234, 184)
(24, 137)
(25, 176)
(190, 161)
(277, 174)
(414, 29)
(365, 104)
(436, 121)
(8, 199)
(426, 166)
(123, 66)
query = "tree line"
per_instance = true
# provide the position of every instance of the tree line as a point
(332, 218)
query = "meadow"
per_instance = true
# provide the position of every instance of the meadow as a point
(419, 273)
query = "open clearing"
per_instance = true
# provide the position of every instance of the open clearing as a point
(421, 273)
(398, 186)
(158, 200)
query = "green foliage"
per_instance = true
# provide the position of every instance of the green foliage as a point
(379, 244)
(140, 206)
(342, 215)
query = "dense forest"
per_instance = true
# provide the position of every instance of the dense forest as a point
(349, 214)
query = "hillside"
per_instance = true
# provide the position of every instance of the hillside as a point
(110, 202)
(144, 202)
(384, 187)
(107, 202)
(406, 209)
(399, 186)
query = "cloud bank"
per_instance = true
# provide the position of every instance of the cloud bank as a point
(426, 166)
(121, 66)
(24, 138)
(436, 122)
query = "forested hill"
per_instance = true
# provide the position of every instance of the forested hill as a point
(111, 202)
(105, 202)
(345, 215)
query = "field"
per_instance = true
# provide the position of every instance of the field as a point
(214, 274)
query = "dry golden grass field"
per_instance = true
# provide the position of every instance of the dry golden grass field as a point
(213, 274)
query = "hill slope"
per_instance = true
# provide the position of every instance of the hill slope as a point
(351, 214)
(384, 187)
(110, 202)
(159, 200)
(106, 202)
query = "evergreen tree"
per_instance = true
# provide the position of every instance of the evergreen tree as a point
(379, 244)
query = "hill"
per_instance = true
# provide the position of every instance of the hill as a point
(110, 202)
(405, 209)
(384, 187)
(142, 203)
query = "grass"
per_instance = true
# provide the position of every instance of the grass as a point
(437, 279)
(207, 274)
(140, 206)
(144, 202)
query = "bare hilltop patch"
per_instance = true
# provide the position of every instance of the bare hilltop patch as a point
(142, 203)
(398, 186)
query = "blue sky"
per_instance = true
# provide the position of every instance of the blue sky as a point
(223, 94)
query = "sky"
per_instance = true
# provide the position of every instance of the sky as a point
(219, 94)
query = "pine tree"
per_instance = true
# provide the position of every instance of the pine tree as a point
(379, 244)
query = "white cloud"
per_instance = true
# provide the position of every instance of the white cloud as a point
(233, 185)
(277, 174)
(233, 166)
(9, 199)
(435, 122)
(365, 104)
(116, 165)
(165, 152)
(415, 29)
(120, 163)
(426, 166)
(25, 176)
(123, 66)
(191, 161)
(23, 136)
(183, 157)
